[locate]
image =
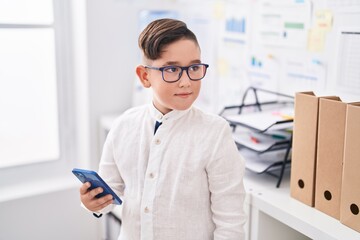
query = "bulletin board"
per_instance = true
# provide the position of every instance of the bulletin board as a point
(288, 46)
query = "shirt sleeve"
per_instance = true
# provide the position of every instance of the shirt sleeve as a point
(225, 174)
(109, 171)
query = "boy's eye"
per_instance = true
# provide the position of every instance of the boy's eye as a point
(171, 69)
(194, 68)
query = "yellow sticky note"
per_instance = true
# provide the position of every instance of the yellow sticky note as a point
(323, 20)
(316, 40)
(219, 10)
(223, 67)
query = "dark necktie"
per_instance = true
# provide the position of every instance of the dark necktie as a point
(157, 125)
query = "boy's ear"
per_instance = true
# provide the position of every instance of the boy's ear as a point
(143, 76)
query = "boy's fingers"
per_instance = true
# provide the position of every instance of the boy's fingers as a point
(96, 191)
(84, 188)
(88, 198)
(103, 202)
(97, 204)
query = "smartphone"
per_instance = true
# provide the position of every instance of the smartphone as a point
(96, 181)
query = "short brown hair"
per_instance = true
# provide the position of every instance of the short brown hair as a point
(160, 33)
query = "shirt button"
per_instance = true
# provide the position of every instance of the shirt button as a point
(151, 175)
(157, 141)
(146, 210)
(160, 117)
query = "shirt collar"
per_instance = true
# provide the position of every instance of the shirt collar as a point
(170, 116)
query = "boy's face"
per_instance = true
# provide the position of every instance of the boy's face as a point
(179, 95)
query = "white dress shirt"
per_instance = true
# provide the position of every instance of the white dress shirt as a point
(185, 182)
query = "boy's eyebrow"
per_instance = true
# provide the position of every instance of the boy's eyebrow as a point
(171, 63)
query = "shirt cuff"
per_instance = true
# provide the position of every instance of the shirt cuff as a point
(101, 212)
(97, 215)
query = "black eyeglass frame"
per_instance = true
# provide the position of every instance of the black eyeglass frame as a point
(161, 69)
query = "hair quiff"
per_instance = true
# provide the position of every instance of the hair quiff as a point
(161, 33)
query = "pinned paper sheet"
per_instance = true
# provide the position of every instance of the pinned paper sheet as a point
(263, 71)
(283, 23)
(349, 62)
(302, 74)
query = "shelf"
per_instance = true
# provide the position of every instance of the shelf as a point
(262, 127)
(261, 163)
(274, 119)
(264, 142)
(277, 203)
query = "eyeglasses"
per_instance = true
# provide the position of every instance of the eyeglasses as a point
(172, 74)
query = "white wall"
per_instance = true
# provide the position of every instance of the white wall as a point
(112, 58)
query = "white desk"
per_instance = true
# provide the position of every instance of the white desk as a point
(275, 215)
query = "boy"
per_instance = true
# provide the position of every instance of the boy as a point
(176, 168)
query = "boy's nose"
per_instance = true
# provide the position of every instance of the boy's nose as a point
(184, 80)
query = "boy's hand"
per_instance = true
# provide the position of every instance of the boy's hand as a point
(92, 203)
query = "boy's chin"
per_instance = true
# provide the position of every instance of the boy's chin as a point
(181, 108)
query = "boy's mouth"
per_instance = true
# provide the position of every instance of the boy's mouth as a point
(183, 95)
